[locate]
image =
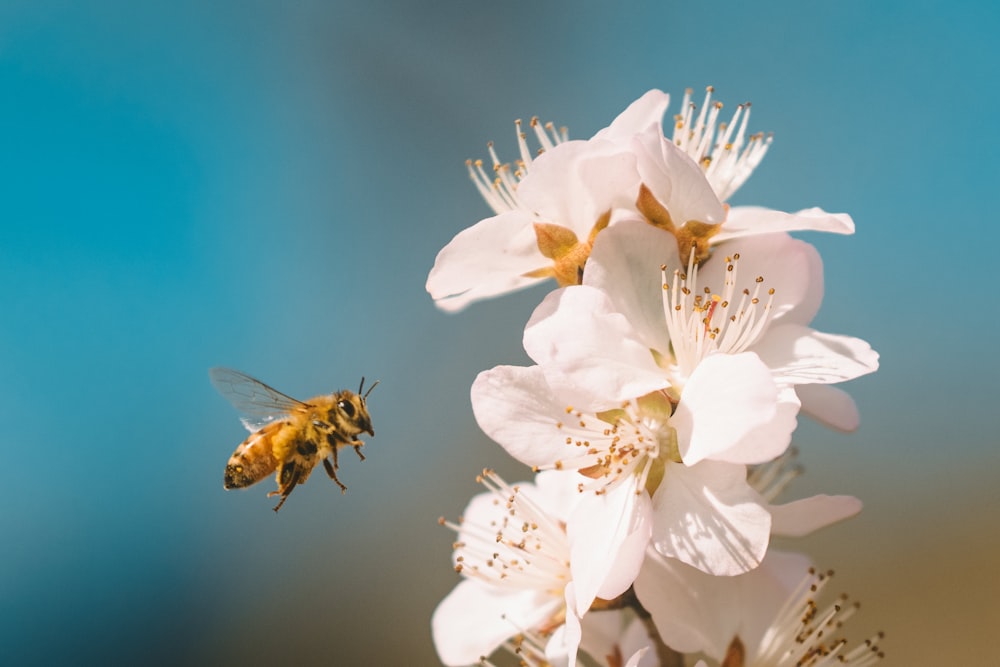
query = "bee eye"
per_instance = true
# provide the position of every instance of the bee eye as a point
(347, 407)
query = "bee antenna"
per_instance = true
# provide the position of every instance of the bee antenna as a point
(365, 397)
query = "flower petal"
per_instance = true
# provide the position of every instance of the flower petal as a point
(575, 183)
(801, 517)
(769, 440)
(475, 618)
(800, 355)
(625, 265)
(830, 406)
(727, 397)
(589, 351)
(516, 408)
(752, 220)
(676, 181)
(695, 612)
(488, 259)
(709, 517)
(645, 112)
(608, 535)
(783, 264)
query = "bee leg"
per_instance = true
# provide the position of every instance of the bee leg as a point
(289, 477)
(331, 470)
(357, 448)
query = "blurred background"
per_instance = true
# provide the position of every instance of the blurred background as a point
(265, 186)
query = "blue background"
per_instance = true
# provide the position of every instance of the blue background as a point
(265, 186)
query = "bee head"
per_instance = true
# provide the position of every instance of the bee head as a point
(355, 409)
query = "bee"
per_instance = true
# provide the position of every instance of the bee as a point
(288, 436)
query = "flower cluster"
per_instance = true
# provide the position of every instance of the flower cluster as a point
(671, 365)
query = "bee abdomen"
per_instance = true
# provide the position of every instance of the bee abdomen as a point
(237, 476)
(251, 462)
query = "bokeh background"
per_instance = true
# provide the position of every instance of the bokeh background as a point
(265, 185)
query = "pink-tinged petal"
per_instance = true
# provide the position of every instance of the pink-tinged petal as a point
(645, 112)
(676, 181)
(800, 355)
(608, 535)
(769, 440)
(783, 263)
(830, 406)
(709, 517)
(727, 396)
(475, 618)
(625, 265)
(753, 220)
(485, 260)
(588, 351)
(801, 517)
(516, 408)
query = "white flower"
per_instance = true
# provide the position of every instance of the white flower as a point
(549, 211)
(727, 338)
(766, 618)
(705, 514)
(524, 573)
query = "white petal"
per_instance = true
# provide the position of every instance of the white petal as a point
(769, 440)
(576, 182)
(645, 112)
(625, 265)
(801, 517)
(800, 355)
(564, 644)
(676, 181)
(485, 260)
(829, 405)
(697, 612)
(608, 535)
(474, 619)
(516, 408)
(783, 263)
(588, 351)
(693, 611)
(709, 517)
(752, 220)
(727, 396)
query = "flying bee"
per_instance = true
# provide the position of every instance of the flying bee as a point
(288, 436)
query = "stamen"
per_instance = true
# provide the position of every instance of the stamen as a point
(727, 163)
(500, 189)
(799, 636)
(701, 324)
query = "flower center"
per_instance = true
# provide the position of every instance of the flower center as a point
(567, 252)
(630, 444)
(704, 323)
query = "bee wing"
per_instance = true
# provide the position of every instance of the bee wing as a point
(257, 403)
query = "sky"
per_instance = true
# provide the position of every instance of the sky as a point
(265, 186)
